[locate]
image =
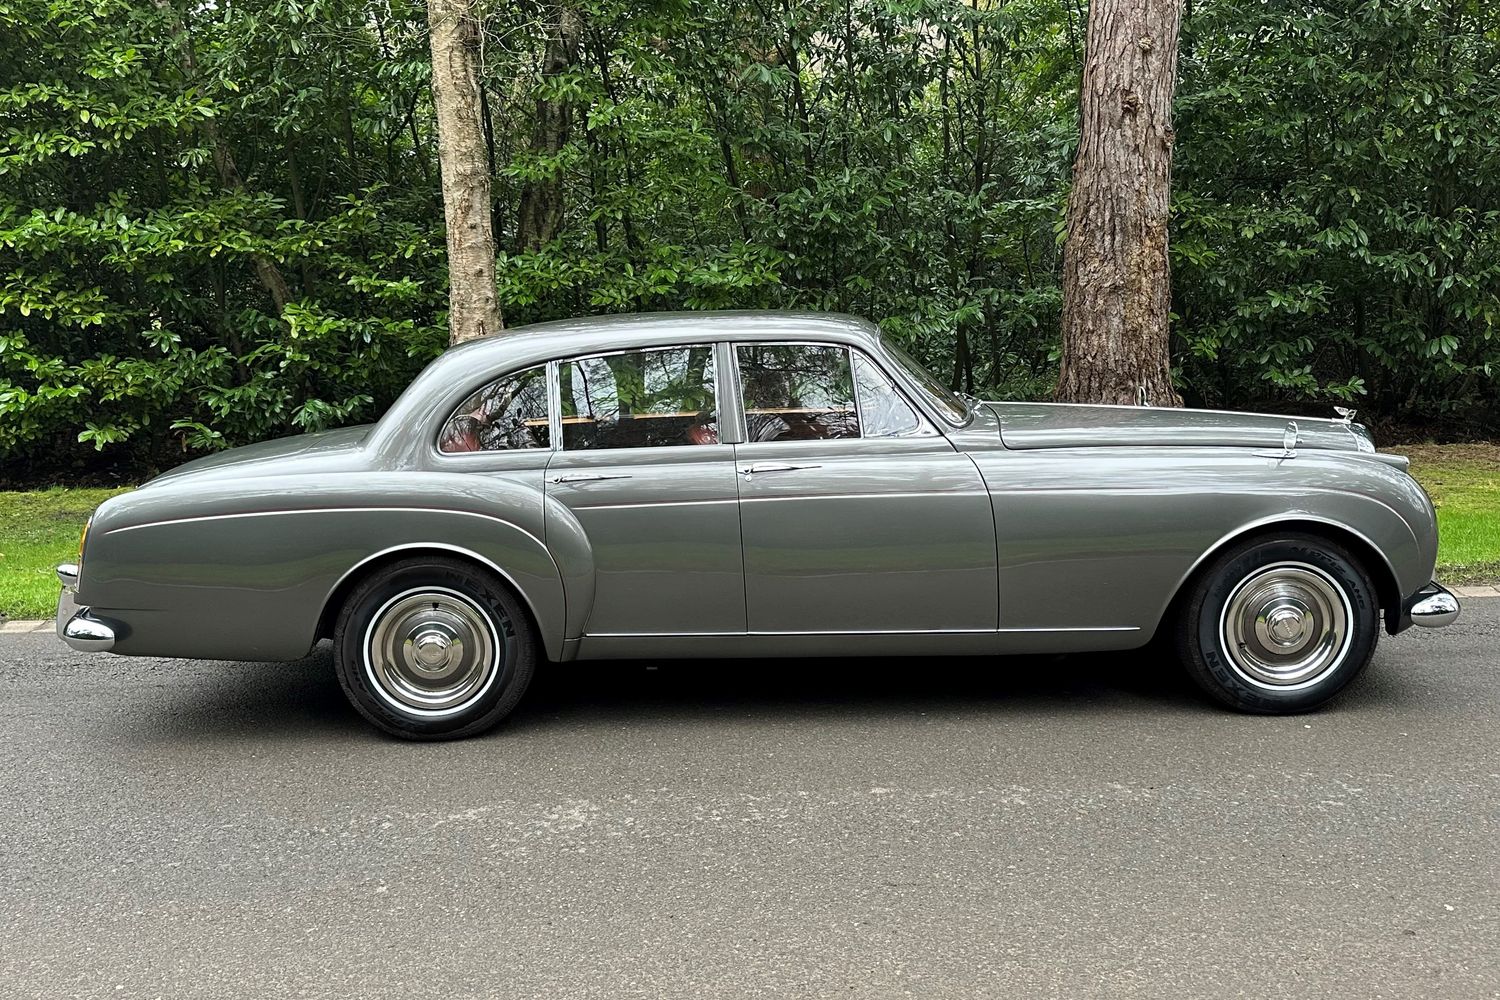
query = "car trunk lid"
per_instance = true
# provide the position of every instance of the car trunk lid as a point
(330, 451)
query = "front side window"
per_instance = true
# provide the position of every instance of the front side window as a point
(508, 413)
(797, 392)
(639, 399)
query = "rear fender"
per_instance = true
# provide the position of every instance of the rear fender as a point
(244, 570)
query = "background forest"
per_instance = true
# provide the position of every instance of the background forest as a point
(222, 222)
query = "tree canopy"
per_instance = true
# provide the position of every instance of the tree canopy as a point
(1335, 229)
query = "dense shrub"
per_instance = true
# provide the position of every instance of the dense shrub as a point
(1336, 218)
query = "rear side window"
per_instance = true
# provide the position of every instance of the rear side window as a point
(639, 399)
(797, 392)
(508, 413)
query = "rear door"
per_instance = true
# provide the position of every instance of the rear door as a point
(642, 471)
(857, 515)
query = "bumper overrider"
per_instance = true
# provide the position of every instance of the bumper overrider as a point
(1431, 607)
(78, 626)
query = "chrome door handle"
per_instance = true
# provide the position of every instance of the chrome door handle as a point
(586, 478)
(750, 470)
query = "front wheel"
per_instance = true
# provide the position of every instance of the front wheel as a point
(1279, 624)
(433, 648)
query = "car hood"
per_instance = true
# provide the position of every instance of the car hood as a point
(330, 451)
(1067, 425)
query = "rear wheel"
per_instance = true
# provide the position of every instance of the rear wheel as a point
(433, 648)
(1279, 624)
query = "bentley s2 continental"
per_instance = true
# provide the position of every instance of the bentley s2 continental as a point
(757, 484)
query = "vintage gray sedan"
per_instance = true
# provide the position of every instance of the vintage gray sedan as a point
(757, 484)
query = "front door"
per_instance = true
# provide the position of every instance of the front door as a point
(857, 516)
(643, 474)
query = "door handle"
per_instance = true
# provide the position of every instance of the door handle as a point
(586, 478)
(750, 470)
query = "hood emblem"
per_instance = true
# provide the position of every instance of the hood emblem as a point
(1345, 414)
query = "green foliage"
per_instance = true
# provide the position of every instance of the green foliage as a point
(133, 319)
(1338, 228)
(1336, 214)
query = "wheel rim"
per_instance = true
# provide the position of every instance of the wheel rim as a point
(1286, 626)
(431, 652)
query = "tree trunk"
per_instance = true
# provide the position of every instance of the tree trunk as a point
(541, 211)
(1116, 285)
(473, 305)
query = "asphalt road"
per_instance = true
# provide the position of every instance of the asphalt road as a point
(966, 828)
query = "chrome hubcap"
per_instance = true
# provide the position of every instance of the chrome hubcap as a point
(431, 651)
(1286, 625)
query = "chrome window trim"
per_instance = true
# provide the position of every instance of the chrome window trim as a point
(731, 405)
(555, 392)
(905, 377)
(726, 375)
(900, 384)
(925, 426)
(853, 386)
(434, 448)
(859, 408)
(554, 405)
(728, 395)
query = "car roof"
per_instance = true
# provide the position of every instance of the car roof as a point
(540, 342)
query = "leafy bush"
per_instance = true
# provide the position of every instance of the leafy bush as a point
(1336, 219)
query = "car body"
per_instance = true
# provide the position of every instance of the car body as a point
(700, 523)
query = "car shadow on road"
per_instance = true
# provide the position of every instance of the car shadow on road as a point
(297, 699)
(302, 699)
(869, 685)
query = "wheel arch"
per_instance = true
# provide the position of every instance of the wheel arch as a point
(1371, 558)
(338, 594)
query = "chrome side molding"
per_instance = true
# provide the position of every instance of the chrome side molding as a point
(1435, 607)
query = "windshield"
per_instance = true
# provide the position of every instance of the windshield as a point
(953, 409)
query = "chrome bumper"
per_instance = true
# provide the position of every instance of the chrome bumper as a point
(76, 625)
(1434, 606)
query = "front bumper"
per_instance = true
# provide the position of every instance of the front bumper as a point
(1434, 606)
(78, 626)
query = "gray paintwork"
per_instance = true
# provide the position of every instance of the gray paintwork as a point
(1033, 527)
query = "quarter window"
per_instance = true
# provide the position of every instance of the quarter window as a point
(507, 414)
(884, 411)
(797, 392)
(639, 399)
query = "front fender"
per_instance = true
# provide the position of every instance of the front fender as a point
(1105, 538)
